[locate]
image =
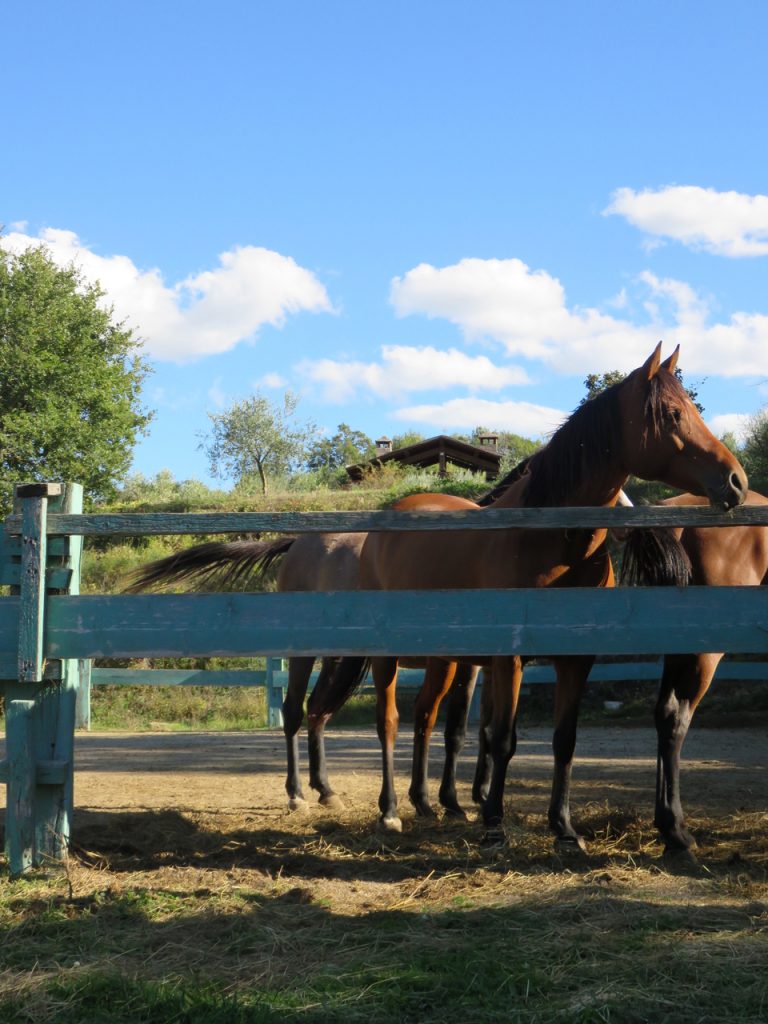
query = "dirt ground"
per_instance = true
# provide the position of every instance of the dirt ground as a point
(144, 800)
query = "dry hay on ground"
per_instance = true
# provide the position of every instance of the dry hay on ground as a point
(189, 874)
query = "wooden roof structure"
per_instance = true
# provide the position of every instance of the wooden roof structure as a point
(438, 451)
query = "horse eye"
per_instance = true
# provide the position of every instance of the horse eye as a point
(676, 415)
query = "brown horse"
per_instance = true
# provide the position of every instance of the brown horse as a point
(325, 562)
(646, 426)
(717, 556)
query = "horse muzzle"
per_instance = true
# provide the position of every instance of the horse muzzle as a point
(731, 493)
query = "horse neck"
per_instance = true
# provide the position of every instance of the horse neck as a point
(581, 465)
(595, 488)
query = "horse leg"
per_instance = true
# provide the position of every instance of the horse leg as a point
(385, 681)
(318, 766)
(437, 681)
(299, 671)
(506, 676)
(572, 675)
(482, 778)
(685, 680)
(457, 711)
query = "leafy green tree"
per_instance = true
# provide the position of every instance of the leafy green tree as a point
(409, 437)
(256, 438)
(345, 448)
(512, 448)
(70, 378)
(732, 443)
(754, 452)
(597, 382)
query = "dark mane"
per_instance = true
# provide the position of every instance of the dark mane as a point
(591, 435)
(575, 451)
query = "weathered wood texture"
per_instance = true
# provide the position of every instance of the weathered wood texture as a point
(142, 524)
(568, 621)
(41, 735)
(32, 587)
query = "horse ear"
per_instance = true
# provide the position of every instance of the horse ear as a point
(671, 363)
(652, 363)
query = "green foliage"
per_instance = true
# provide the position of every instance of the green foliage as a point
(70, 378)
(346, 447)
(409, 437)
(512, 448)
(180, 708)
(255, 438)
(595, 383)
(731, 442)
(754, 452)
(163, 491)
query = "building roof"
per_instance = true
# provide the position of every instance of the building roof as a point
(436, 451)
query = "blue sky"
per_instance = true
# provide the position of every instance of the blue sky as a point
(415, 215)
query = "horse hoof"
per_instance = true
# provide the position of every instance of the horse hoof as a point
(297, 805)
(423, 808)
(455, 812)
(570, 845)
(493, 839)
(393, 824)
(677, 860)
(331, 802)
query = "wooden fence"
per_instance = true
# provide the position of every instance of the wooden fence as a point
(47, 629)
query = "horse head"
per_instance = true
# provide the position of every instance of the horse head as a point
(674, 444)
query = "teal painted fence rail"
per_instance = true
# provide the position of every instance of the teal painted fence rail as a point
(48, 633)
(160, 523)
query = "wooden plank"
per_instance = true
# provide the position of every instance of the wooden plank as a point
(83, 697)
(32, 584)
(47, 773)
(56, 578)
(274, 693)
(9, 663)
(179, 677)
(566, 621)
(20, 808)
(55, 715)
(143, 524)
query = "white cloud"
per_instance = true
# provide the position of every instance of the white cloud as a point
(731, 423)
(520, 417)
(404, 369)
(205, 314)
(526, 312)
(217, 395)
(271, 380)
(724, 223)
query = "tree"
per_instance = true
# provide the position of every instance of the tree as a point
(255, 437)
(754, 452)
(512, 448)
(597, 382)
(409, 437)
(70, 378)
(345, 448)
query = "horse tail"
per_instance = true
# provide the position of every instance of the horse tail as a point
(654, 557)
(347, 677)
(220, 563)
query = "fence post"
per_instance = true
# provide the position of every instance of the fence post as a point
(275, 694)
(40, 723)
(83, 700)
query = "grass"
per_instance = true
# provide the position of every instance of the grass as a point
(618, 942)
